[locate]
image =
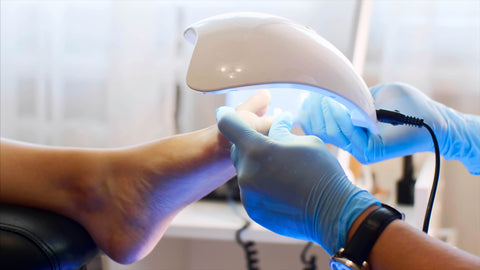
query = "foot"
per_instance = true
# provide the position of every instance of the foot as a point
(129, 202)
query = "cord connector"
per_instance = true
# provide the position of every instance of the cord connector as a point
(396, 118)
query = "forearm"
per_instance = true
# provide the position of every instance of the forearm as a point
(401, 246)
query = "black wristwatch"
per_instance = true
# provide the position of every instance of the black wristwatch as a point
(354, 255)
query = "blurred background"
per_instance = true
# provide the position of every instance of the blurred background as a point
(112, 73)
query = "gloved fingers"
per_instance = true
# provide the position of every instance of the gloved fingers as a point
(325, 118)
(310, 117)
(235, 129)
(281, 127)
(340, 131)
(338, 123)
(365, 146)
(234, 155)
(328, 120)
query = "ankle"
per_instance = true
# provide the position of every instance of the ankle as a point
(86, 188)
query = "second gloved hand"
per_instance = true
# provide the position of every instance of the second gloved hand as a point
(293, 185)
(457, 133)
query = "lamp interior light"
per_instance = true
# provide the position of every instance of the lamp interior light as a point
(252, 51)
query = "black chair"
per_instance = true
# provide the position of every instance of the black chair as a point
(37, 239)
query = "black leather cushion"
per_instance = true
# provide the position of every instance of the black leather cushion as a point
(37, 239)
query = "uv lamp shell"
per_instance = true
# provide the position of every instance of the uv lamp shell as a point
(237, 51)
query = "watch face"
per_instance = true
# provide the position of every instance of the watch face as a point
(334, 265)
(341, 263)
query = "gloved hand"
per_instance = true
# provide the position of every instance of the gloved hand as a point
(292, 185)
(457, 133)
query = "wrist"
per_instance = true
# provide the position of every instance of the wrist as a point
(356, 253)
(339, 207)
(355, 210)
(359, 220)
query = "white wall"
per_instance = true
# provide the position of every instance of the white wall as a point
(81, 73)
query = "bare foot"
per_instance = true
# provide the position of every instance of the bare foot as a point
(129, 203)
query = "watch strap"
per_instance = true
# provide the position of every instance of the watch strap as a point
(359, 247)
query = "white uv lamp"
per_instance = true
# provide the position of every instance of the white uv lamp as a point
(245, 51)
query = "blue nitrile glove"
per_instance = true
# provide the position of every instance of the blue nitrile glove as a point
(293, 185)
(458, 134)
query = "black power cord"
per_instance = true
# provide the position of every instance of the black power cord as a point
(248, 247)
(310, 264)
(396, 118)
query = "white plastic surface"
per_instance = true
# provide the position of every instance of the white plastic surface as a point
(237, 51)
(219, 221)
